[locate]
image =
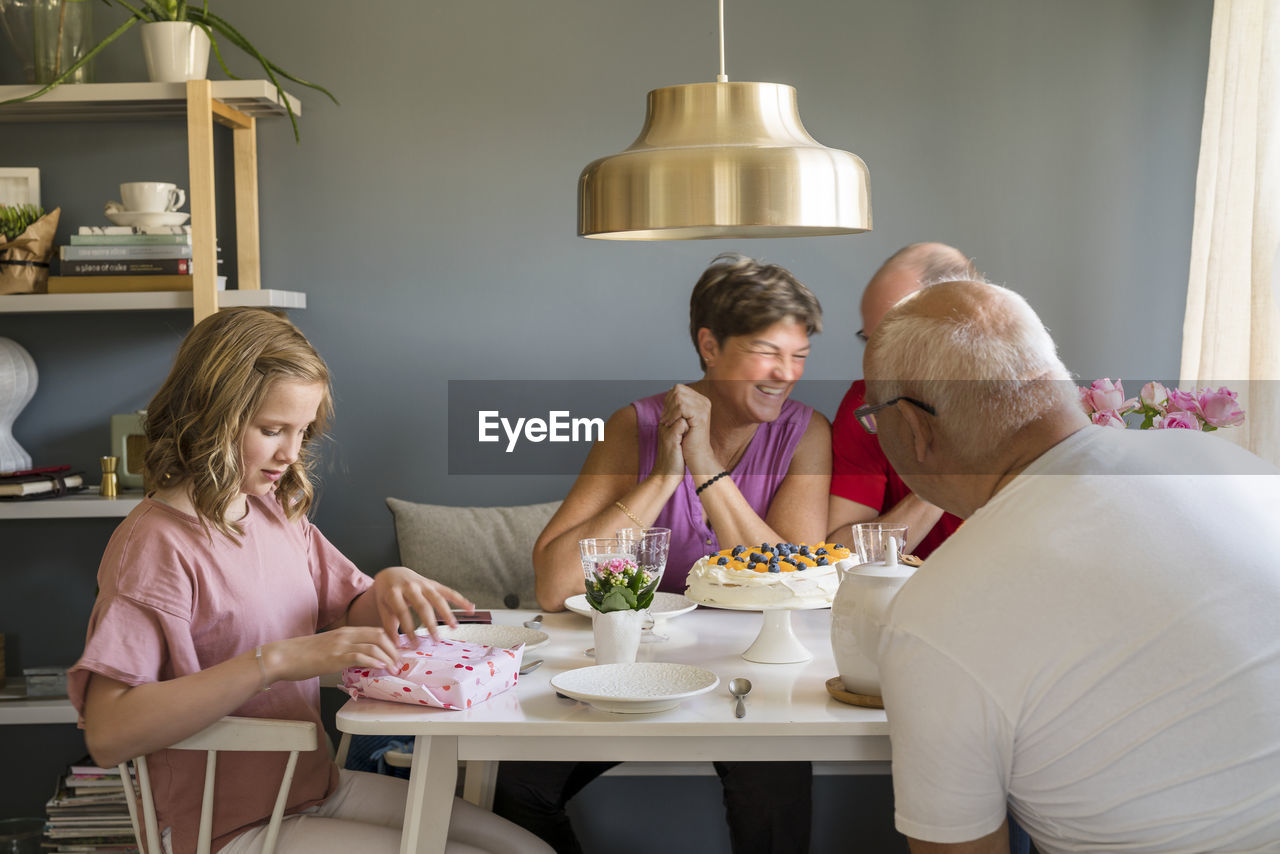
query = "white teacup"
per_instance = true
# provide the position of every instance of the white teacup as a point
(152, 196)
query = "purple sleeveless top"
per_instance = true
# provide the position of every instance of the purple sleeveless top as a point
(757, 475)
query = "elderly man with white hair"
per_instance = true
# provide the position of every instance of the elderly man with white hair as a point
(1136, 707)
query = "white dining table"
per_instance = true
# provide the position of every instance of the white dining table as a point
(789, 714)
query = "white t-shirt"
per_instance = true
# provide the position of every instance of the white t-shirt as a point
(1099, 648)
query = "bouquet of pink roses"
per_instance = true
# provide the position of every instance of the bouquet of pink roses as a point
(1161, 408)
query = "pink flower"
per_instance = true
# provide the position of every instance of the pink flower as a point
(1154, 395)
(1181, 420)
(1086, 398)
(1108, 418)
(1104, 395)
(1183, 401)
(1219, 408)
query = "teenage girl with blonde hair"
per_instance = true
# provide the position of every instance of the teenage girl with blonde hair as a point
(217, 596)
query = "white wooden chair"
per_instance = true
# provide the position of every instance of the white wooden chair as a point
(230, 733)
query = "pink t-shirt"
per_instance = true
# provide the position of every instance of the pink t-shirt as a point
(174, 599)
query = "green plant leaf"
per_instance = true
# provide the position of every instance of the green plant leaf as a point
(15, 219)
(644, 600)
(78, 64)
(618, 599)
(143, 11)
(241, 42)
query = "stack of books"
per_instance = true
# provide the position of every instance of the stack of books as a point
(111, 259)
(45, 482)
(88, 813)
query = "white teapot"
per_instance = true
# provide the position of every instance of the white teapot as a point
(857, 615)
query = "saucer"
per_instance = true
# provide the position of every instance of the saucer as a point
(148, 217)
(635, 688)
(664, 607)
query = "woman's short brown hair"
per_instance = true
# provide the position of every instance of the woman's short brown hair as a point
(223, 371)
(738, 295)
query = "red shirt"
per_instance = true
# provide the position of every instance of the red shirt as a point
(860, 471)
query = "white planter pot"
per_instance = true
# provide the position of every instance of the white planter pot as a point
(175, 51)
(617, 635)
(857, 619)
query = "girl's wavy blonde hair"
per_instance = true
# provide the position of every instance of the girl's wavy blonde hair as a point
(195, 423)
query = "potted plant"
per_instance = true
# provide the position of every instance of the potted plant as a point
(199, 17)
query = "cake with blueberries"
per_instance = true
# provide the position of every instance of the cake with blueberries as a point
(769, 575)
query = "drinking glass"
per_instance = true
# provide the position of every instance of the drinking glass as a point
(871, 540)
(654, 544)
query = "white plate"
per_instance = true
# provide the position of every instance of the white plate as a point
(644, 686)
(664, 605)
(494, 635)
(148, 217)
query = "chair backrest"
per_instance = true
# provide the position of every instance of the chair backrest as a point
(230, 733)
(485, 553)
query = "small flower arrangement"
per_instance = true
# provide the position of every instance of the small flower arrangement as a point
(1160, 408)
(619, 584)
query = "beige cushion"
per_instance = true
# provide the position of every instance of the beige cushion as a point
(485, 553)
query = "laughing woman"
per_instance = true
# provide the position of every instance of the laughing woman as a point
(729, 459)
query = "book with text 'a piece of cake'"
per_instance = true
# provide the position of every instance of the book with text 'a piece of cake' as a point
(128, 267)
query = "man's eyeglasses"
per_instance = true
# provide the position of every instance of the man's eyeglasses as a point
(866, 415)
(862, 336)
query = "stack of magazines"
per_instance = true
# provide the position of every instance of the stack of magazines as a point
(88, 813)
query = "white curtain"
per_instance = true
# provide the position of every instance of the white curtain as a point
(1231, 334)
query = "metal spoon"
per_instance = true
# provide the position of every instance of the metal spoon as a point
(740, 687)
(535, 623)
(530, 666)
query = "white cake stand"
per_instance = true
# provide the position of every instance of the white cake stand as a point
(777, 642)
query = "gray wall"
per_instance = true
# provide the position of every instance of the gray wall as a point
(431, 219)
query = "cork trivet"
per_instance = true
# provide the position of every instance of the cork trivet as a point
(835, 687)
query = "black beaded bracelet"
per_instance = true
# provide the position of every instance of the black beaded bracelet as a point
(698, 491)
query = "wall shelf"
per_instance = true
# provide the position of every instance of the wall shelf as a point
(110, 102)
(235, 104)
(82, 505)
(17, 708)
(146, 301)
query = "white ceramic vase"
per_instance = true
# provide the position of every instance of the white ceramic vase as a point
(857, 618)
(617, 635)
(175, 51)
(17, 386)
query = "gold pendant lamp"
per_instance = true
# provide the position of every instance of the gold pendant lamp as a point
(723, 160)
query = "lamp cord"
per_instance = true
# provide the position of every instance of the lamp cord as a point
(721, 78)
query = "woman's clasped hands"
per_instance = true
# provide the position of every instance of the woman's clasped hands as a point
(684, 433)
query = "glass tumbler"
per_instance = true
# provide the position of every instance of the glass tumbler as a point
(871, 540)
(651, 554)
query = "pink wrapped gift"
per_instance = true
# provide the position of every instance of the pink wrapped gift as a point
(446, 674)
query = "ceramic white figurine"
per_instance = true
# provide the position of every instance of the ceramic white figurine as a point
(857, 616)
(17, 386)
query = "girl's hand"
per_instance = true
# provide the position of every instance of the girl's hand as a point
(399, 593)
(305, 657)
